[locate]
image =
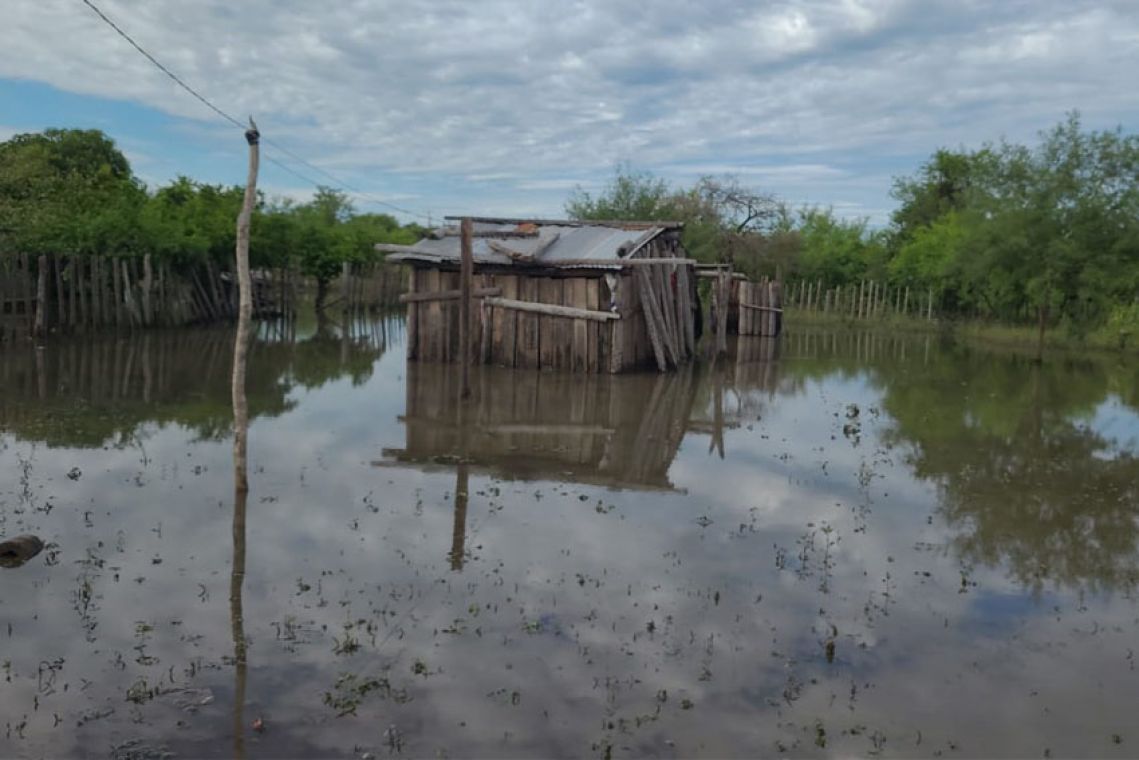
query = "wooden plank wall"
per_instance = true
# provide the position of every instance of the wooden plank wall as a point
(527, 340)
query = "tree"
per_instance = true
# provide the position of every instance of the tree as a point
(55, 186)
(320, 244)
(941, 185)
(630, 195)
(838, 251)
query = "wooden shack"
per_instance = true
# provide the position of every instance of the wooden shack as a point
(593, 297)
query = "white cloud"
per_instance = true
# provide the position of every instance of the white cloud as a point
(446, 91)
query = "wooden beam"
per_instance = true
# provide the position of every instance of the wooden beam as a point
(503, 234)
(505, 251)
(676, 260)
(760, 308)
(652, 319)
(447, 295)
(714, 273)
(646, 237)
(625, 224)
(551, 310)
(518, 255)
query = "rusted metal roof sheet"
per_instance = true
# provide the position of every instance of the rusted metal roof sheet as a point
(577, 245)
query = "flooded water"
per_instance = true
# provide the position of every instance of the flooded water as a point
(846, 544)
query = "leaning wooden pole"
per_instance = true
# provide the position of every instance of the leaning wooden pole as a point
(466, 276)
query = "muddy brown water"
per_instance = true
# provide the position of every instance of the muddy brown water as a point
(846, 544)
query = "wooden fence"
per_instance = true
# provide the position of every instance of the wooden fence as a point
(368, 286)
(761, 307)
(66, 294)
(866, 300)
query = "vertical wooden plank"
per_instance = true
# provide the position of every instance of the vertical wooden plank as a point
(615, 359)
(747, 316)
(41, 306)
(549, 292)
(480, 321)
(776, 299)
(667, 311)
(528, 343)
(505, 323)
(431, 328)
(755, 292)
(450, 281)
(649, 306)
(593, 358)
(771, 318)
(412, 319)
(577, 295)
(563, 328)
(751, 321)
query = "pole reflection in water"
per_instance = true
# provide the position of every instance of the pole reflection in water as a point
(459, 534)
(236, 581)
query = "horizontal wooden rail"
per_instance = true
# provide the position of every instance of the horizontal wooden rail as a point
(504, 234)
(651, 262)
(761, 308)
(713, 274)
(446, 295)
(551, 310)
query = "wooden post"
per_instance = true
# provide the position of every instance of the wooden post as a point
(147, 288)
(345, 286)
(72, 307)
(117, 286)
(96, 291)
(60, 294)
(41, 298)
(652, 325)
(244, 316)
(466, 275)
(725, 309)
(241, 433)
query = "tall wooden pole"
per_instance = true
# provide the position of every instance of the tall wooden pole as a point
(240, 438)
(245, 307)
(466, 276)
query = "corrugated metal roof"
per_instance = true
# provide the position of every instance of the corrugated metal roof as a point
(577, 245)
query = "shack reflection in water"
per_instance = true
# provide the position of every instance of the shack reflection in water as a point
(617, 431)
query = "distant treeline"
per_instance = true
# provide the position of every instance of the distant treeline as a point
(70, 192)
(1043, 234)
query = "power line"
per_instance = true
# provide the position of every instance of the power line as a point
(205, 101)
(162, 68)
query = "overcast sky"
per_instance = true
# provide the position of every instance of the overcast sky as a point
(504, 107)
